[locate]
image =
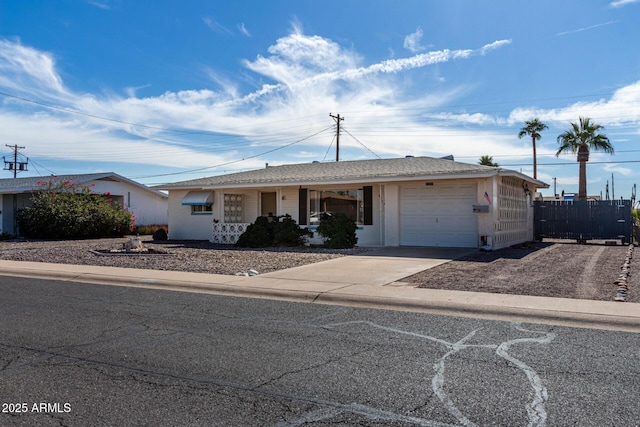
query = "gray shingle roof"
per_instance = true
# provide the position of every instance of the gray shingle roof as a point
(21, 185)
(335, 172)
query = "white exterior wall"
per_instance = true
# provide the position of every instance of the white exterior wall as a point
(288, 202)
(486, 221)
(386, 202)
(147, 207)
(392, 215)
(185, 226)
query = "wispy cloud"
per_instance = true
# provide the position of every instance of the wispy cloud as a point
(216, 26)
(621, 109)
(620, 3)
(25, 70)
(311, 76)
(413, 41)
(591, 27)
(243, 29)
(101, 5)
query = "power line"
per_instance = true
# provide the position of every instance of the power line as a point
(94, 116)
(235, 161)
(367, 148)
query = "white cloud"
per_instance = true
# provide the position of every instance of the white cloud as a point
(216, 26)
(243, 29)
(621, 109)
(311, 76)
(591, 27)
(620, 3)
(101, 5)
(28, 71)
(413, 41)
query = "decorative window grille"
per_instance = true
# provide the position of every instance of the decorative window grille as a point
(512, 223)
(233, 208)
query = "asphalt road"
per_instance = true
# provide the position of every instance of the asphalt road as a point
(76, 354)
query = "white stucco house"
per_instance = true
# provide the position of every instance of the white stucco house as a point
(149, 206)
(412, 201)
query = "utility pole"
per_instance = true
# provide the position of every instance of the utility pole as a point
(338, 119)
(613, 191)
(15, 166)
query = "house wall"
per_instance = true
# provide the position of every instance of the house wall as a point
(508, 218)
(11, 203)
(147, 207)
(185, 226)
(392, 215)
(487, 196)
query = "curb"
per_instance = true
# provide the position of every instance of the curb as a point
(438, 306)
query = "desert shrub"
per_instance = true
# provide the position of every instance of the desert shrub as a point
(279, 231)
(339, 230)
(148, 230)
(63, 210)
(160, 234)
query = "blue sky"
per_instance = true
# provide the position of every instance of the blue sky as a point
(167, 91)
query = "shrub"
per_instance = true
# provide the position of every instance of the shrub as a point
(339, 230)
(62, 210)
(6, 236)
(280, 231)
(147, 230)
(160, 234)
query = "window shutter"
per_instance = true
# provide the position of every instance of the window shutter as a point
(368, 204)
(302, 206)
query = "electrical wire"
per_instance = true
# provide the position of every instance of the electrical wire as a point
(236, 161)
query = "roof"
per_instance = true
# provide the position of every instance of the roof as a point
(28, 184)
(362, 171)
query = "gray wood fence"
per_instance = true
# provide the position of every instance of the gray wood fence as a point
(584, 220)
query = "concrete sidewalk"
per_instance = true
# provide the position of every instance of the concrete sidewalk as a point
(368, 280)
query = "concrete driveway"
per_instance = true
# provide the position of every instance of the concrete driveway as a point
(375, 267)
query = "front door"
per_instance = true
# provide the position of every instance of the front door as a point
(268, 203)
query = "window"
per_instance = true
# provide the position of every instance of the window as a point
(201, 209)
(200, 202)
(349, 202)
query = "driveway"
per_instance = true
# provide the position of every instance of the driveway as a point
(376, 267)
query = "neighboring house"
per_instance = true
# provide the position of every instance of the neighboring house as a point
(412, 201)
(147, 205)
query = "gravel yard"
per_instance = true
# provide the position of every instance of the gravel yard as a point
(193, 256)
(549, 268)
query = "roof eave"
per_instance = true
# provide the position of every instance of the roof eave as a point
(340, 181)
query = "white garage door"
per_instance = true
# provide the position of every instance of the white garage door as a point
(439, 215)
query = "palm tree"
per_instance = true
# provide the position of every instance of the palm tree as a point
(487, 161)
(581, 139)
(533, 128)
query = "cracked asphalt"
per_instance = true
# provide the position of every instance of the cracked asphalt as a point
(103, 355)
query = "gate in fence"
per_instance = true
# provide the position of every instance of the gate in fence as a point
(583, 220)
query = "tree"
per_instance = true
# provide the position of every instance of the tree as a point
(63, 210)
(581, 139)
(533, 128)
(487, 161)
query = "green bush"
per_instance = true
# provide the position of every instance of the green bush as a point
(279, 231)
(62, 210)
(339, 230)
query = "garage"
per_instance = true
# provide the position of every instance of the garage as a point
(439, 213)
